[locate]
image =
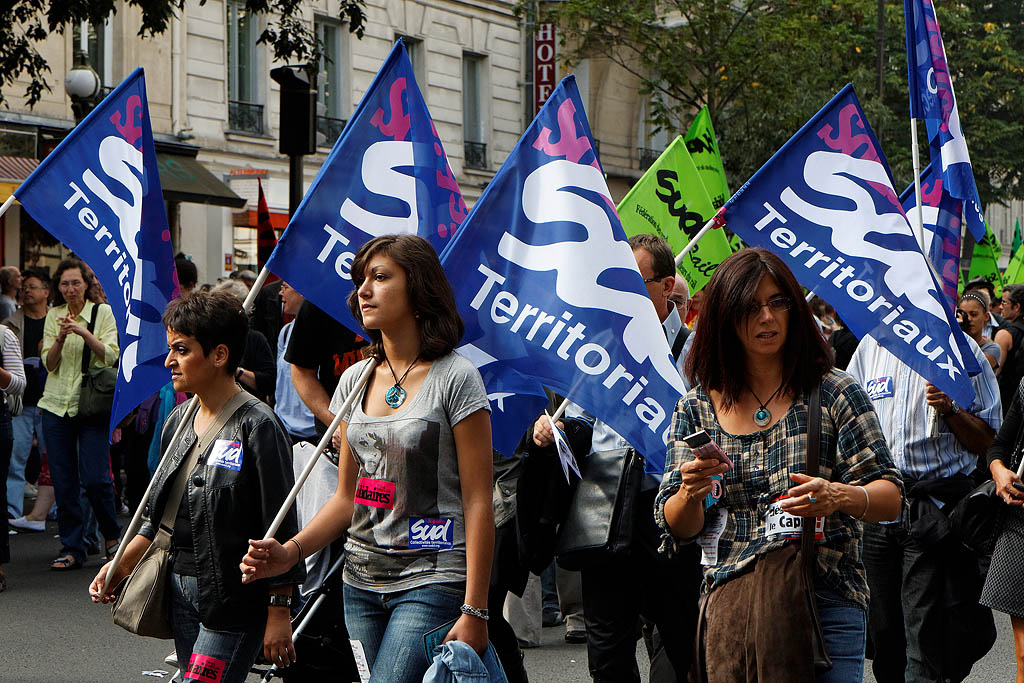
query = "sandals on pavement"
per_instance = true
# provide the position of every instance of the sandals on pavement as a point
(65, 563)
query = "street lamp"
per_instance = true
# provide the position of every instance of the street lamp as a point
(83, 85)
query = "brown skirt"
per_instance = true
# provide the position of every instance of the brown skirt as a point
(759, 626)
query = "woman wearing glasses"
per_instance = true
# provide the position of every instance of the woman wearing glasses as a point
(757, 356)
(77, 447)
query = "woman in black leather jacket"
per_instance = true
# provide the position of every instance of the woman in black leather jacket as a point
(242, 477)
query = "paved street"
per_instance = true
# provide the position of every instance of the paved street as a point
(51, 633)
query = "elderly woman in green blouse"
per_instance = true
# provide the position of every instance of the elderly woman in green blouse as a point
(77, 447)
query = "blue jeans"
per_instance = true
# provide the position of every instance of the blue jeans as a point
(391, 627)
(79, 458)
(205, 654)
(26, 425)
(844, 625)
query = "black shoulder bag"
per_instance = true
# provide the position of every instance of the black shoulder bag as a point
(97, 397)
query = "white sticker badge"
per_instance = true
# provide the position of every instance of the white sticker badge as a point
(778, 522)
(714, 525)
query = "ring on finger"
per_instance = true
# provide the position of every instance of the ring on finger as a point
(811, 499)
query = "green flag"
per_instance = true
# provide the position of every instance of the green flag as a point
(703, 147)
(1015, 270)
(735, 243)
(670, 201)
(1016, 239)
(985, 260)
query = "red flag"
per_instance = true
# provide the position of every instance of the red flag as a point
(266, 238)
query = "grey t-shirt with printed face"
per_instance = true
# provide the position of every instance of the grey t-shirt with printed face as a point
(408, 528)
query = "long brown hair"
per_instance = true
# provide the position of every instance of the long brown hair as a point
(430, 294)
(717, 360)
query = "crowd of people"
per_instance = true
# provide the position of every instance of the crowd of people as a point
(799, 528)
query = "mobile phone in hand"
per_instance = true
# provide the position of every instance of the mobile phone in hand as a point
(704, 448)
(1019, 486)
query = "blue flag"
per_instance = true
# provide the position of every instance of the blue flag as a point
(548, 284)
(941, 216)
(932, 99)
(825, 204)
(387, 174)
(99, 193)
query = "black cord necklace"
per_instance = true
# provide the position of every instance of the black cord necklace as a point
(395, 396)
(762, 416)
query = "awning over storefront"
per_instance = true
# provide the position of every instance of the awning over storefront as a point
(182, 178)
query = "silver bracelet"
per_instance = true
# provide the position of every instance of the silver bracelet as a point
(475, 612)
(867, 502)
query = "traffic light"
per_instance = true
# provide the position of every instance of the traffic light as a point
(298, 108)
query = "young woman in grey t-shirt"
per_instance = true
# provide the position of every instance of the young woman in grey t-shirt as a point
(414, 480)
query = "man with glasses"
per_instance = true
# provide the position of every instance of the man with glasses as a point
(27, 324)
(619, 589)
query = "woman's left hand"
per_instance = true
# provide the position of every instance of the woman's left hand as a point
(812, 497)
(470, 630)
(69, 326)
(277, 639)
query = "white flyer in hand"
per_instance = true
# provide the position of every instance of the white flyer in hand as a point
(564, 452)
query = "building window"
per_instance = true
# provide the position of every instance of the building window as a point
(415, 50)
(475, 147)
(332, 82)
(244, 111)
(94, 45)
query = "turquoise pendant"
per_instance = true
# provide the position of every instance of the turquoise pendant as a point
(395, 396)
(762, 416)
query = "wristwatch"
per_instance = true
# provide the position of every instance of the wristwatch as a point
(954, 407)
(279, 600)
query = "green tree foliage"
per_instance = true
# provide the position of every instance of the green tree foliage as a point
(24, 23)
(763, 67)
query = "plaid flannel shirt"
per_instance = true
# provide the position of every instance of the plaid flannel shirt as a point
(852, 450)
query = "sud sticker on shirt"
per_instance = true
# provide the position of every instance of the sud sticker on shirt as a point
(431, 534)
(880, 387)
(226, 454)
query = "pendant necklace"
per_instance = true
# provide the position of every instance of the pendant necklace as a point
(395, 396)
(762, 416)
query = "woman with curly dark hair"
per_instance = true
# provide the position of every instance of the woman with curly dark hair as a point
(758, 364)
(414, 477)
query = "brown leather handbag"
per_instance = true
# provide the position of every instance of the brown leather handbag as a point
(764, 625)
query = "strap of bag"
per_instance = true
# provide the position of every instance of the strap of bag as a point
(86, 351)
(178, 489)
(813, 450)
(677, 345)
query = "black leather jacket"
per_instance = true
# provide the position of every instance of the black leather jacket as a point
(229, 507)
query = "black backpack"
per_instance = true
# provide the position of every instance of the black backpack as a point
(1013, 367)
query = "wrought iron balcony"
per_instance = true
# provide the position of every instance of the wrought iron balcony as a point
(476, 154)
(245, 117)
(647, 156)
(330, 128)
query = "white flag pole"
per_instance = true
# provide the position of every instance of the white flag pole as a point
(190, 412)
(679, 259)
(320, 448)
(6, 205)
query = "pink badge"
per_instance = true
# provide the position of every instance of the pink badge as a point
(376, 493)
(204, 668)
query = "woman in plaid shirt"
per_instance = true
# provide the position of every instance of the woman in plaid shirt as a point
(757, 355)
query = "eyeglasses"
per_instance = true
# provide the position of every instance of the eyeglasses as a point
(776, 305)
(34, 288)
(656, 278)
(73, 284)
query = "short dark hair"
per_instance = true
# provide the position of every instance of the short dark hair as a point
(1016, 292)
(984, 284)
(430, 295)
(37, 274)
(188, 274)
(213, 319)
(70, 263)
(662, 260)
(717, 360)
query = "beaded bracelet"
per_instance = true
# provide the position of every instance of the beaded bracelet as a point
(475, 612)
